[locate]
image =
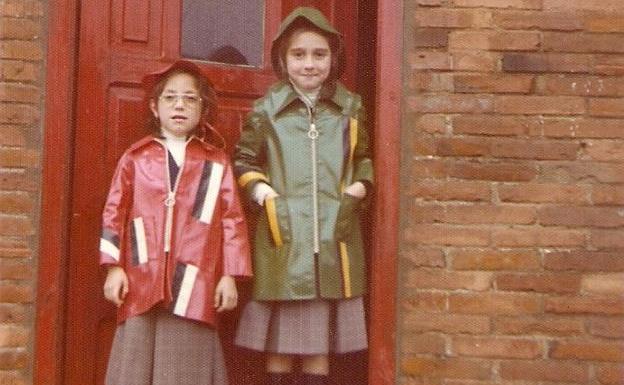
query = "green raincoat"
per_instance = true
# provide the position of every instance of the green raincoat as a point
(308, 241)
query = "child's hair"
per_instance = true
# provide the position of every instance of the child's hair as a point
(335, 45)
(206, 92)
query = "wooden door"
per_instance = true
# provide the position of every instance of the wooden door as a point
(120, 41)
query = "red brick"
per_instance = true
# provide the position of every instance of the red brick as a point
(547, 62)
(422, 301)
(450, 18)
(585, 305)
(15, 203)
(534, 149)
(18, 114)
(14, 70)
(12, 92)
(431, 37)
(446, 368)
(429, 168)
(542, 20)
(517, 260)
(450, 191)
(608, 64)
(579, 85)
(11, 157)
(500, 172)
(18, 49)
(604, 150)
(430, 3)
(12, 378)
(546, 105)
(18, 180)
(13, 336)
(446, 323)
(13, 293)
(612, 327)
(15, 270)
(606, 239)
(587, 350)
(429, 60)
(12, 136)
(448, 280)
(450, 103)
(582, 128)
(568, 172)
(476, 61)
(19, 29)
(15, 226)
(12, 313)
(432, 124)
(423, 344)
(583, 5)
(464, 147)
(584, 261)
(542, 193)
(491, 125)
(495, 304)
(430, 82)
(482, 214)
(21, 8)
(540, 283)
(495, 347)
(582, 42)
(574, 216)
(607, 107)
(604, 22)
(494, 40)
(537, 236)
(604, 284)
(541, 370)
(446, 235)
(549, 326)
(518, 4)
(424, 257)
(493, 83)
(610, 374)
(13, 358)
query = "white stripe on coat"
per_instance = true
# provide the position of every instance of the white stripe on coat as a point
(212, 193)
(139, 233)
(107, 247)
(184, 296)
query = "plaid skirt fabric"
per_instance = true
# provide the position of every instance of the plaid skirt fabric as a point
(303, 327)
(158, 348)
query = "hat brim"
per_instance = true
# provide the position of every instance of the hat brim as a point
(150, 80)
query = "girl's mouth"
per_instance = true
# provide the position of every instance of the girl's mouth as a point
(178, 118)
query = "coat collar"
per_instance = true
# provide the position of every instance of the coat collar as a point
(283, 94)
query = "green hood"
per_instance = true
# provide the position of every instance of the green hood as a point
(312, 17)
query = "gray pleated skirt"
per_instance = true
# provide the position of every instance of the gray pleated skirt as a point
(303, 327)
(158, 348)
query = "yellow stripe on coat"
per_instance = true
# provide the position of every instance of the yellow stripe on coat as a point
(353, 131)
(249, 176)
(346, 269)
(273, 223)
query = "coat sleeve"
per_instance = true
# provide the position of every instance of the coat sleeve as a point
(115, 213)
(236, 250)
(249, 155)
(362, 159)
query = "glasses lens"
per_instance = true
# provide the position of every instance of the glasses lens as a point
(187, 100)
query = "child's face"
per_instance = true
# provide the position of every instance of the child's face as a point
(308, 60)
(178, 108)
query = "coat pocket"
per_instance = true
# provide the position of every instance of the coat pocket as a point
(347, 215)
(278, 218)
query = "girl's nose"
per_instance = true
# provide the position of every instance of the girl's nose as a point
(308, 62)
(179, 103)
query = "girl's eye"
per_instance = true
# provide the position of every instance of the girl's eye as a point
(169, 99)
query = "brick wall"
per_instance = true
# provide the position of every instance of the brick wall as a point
(21, 90)
(512, 248)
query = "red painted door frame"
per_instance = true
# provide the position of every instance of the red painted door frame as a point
(56, 186)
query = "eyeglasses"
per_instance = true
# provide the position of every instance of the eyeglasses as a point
(189, 100)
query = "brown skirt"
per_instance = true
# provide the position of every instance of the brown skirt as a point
(158, 348)
(303, 327)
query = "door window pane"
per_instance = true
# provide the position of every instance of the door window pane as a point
(229, 32)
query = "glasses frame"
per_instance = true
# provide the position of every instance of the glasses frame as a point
(188, 100)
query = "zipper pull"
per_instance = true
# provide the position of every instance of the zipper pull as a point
(312, 133)
(170, 200)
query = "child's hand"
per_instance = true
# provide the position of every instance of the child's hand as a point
(116, 285)
(226, 296)
(356, 189)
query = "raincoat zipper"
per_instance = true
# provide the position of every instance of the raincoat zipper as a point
(170, 200)
(313, 135)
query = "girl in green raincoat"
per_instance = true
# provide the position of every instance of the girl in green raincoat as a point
(303, 158)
